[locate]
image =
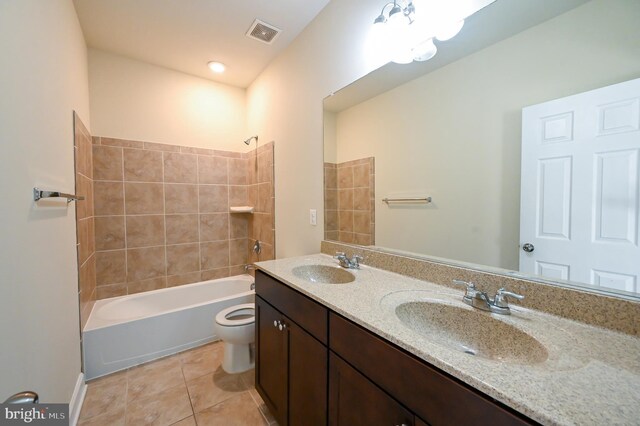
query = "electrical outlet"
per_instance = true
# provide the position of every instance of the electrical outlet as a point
(313, 217)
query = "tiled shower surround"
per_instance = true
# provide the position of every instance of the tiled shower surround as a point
(162, 213)
(349, 191)
(86, 244)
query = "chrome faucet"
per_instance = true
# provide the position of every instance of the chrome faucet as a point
(345, 262)
(249, 267)
(481, 300)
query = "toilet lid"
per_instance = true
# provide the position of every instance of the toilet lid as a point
(225, 316)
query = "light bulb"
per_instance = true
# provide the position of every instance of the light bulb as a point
(217, 67)
(424, 51)
(402, 55)
(449, 31)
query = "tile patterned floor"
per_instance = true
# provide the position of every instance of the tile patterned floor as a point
(185, 389)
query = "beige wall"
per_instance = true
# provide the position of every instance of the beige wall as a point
(43, 78)
(454, 134)
(139, 101)
(284, 105)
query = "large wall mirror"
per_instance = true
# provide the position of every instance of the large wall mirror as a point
(450, 131)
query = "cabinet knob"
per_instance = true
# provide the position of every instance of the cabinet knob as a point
(282, 326)
(275, 323)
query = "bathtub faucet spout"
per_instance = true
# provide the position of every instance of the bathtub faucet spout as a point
(249, 267)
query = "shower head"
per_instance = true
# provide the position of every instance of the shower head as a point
(248, 141)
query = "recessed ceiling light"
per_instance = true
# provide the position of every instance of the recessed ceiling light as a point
(217, 67)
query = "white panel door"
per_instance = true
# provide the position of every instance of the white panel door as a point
(579, 209)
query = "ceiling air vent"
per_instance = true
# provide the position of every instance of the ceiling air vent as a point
(262, 31)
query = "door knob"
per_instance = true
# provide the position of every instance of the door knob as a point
(528, 247)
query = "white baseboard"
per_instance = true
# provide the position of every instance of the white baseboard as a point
(75, 405)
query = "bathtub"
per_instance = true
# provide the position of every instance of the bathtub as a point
(125, 331)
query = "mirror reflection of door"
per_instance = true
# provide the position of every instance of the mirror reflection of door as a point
(579, 200)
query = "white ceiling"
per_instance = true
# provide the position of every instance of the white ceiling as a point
(186, 34)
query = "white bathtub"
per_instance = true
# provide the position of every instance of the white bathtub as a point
(125, 331)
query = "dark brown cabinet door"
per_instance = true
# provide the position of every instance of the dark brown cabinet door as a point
(307, 378)
(272, 359)
(354, 400)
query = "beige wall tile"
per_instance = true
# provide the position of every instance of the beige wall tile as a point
(345, 221)
(330, 178)
(361, 175)
(214, 274)
(213, 170)
(214, 255)
(107, 163)
(183, 258)
(142, 166)
(84, 188)
(362, 239)
(331, 199)
(121, 143)
(331, 235)
(345, 177)
(109, 232)
(331, 220)
(237, 171)
(213, 198)
(238, 226)
(362, 222)
(346, 237)
(180, 168)
(252, 195)
(143, 198)
(262, 228)
(112, 290)
(182, 228)
(110, 267)
(84, 249)
(108, 198)
(176, 280)
(238, 195)
(87, 276)
(146, 285)
(238, 252)
(181, 198)
(145, 263)
(214, 227)
(345, 199)
(145, 231)
(361, 199)
(161, 147)
(264, 198)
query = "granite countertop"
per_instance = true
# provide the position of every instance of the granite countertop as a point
(591, 375)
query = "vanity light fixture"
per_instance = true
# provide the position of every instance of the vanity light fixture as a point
(217, 67)
(405, 30)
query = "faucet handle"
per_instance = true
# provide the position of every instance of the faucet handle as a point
(339, 254)
(501, 297)
(470, 287)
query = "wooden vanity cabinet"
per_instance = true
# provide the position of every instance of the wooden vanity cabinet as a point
(324, 369)
(355, 400)
(291, 363)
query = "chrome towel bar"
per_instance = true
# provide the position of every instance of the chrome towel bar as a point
(407, 200)
(38, 194)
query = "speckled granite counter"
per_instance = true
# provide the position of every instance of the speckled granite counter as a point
(590, 377)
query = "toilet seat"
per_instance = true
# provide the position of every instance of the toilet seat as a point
(225, 316)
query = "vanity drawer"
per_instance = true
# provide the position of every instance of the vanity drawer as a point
(429, 393)
(307, 313)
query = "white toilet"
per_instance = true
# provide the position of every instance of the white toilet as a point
(235, 326)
